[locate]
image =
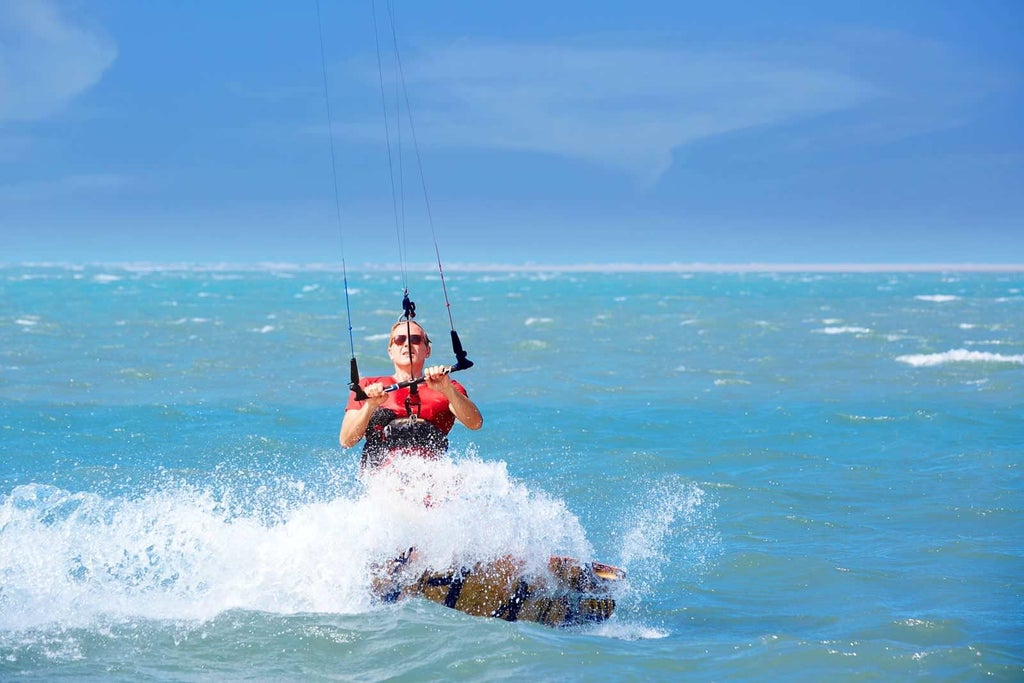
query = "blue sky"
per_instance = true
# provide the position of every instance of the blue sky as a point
(550, 132)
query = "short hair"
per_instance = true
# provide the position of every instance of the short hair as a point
(402, 323)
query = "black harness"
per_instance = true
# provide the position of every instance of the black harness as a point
(387, 434)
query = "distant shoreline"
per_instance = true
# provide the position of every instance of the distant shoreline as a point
(682, 268)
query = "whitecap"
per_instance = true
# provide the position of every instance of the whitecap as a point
(958, 356)
(621, 630)
(844, 330)
(104, 278)
(264, 329)
(937, 298)
(536, 321)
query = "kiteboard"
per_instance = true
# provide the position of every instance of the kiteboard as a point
(568, 593)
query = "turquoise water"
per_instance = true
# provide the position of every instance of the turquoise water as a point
(806, 476)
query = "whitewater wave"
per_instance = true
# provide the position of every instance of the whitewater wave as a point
(958, 356)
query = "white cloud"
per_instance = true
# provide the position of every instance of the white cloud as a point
(626, 109)
(45, 59)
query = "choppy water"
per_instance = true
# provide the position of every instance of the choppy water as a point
(806, 476)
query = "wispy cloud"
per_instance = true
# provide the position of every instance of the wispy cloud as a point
(623, 108)
(45, 59)
(630, 108)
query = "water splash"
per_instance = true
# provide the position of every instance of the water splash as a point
(670, 525)
(187, 551)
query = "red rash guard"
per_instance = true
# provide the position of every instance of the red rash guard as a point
(433, 406)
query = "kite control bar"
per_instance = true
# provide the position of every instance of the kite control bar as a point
(461, 362)
(416, 381)
(360, 395)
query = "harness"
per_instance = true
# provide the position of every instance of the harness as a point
(388, 435)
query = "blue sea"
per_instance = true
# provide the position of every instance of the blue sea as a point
(806, 476)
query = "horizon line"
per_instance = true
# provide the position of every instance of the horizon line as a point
(529, 267)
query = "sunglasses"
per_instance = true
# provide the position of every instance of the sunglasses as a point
(399, 339)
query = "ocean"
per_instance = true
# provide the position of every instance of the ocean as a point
(806, 476)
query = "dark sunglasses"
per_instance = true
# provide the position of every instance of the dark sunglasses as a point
(399, 339)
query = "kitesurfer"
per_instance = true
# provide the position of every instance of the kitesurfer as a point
(408, 420)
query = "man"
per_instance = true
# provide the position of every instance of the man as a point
(411, 420)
